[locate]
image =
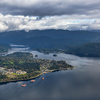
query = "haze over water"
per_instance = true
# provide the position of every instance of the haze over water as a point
(81, 83)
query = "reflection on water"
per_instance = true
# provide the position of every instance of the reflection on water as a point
(81, 83)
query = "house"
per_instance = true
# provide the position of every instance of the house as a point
(8, 73)
(20, 72)
(12, 70)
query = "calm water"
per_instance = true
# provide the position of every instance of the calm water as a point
(81, 83)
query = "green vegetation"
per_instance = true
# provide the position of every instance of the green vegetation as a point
(21, 55)
(57, 65)
(21, 62)
(3, 77)
(32, 66)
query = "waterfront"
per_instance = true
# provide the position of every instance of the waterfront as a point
(81, 83)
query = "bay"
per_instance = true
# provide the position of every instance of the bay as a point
(81, 83)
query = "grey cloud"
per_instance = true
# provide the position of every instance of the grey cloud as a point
(51, 14)
(49, 7)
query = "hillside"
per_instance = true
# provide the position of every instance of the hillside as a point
(86, 50)
(50, 38)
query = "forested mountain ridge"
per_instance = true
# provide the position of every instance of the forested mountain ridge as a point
(50, 38)
(85, 50)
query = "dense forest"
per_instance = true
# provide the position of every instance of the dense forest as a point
(20, 55)
(85, 50)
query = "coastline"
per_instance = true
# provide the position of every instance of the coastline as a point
(5, 82)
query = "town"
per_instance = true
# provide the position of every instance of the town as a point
(11, 71)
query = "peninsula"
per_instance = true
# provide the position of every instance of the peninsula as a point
(22, 66)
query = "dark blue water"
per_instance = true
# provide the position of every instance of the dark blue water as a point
(81, 83)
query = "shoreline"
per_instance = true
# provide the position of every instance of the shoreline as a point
(36, 75)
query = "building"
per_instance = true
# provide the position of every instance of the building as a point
(20, 72)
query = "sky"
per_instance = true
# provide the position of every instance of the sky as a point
(49, 14)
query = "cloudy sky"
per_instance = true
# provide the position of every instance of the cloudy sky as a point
(49, 14)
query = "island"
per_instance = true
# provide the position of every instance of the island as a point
(55, 55)
(36, 55)
(22, 66)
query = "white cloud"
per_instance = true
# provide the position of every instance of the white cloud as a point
(49, 14)
(3, 27)
(10, 22)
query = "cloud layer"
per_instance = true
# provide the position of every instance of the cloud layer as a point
(50, 7)
(10, 23)
(49, 14)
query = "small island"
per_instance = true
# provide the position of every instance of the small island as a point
(55, 55)
(22, 66)
(36, 55)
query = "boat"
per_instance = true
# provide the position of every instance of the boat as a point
(43, 78)
(23, 85)
(32, 80)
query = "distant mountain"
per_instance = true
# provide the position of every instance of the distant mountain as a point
(50, 38)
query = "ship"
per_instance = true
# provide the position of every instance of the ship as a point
(32, 80)
(23, 85)
(43, 78)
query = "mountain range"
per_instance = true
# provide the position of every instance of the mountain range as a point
(49, 38)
